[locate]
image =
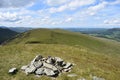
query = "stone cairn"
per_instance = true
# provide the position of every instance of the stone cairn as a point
(50, 66)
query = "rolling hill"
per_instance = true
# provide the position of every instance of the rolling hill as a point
(92, 56)
(20, 29)
(58, 36)
(113, 33)
(6, 34)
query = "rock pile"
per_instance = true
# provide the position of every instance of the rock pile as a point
(50, 66)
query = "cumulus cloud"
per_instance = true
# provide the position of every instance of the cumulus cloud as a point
(56, 2)
(72, 5)
(9, 17)
(15, 3)
(70, 19)
(112, 21)
(94, 9)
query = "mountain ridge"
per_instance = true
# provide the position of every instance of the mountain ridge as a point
(6, 34)
(59, 36)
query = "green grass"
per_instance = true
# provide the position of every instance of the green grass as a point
(92, 56)
(87, 62)
(57, 36)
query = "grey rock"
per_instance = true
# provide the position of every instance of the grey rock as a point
(72, 75)
(50, 60)
(81, 79)
(49, 72)
(39, 71)
(97, 78)
(58, 59)
(44, 59)
(37, 58)
(30, 69)
(68, 65)
(24, 67)
(49, 66)
(12, 70)
(63, 64)
(66, 70)
(38, 64)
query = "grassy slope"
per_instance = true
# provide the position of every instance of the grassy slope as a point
(88, 53)
(58, 36)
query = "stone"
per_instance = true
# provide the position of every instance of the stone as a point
(39, 71)
(66, 70)
(50, 60)
(58, 59)
(24, 67)
(37, 58)
(97, 78)
(72, 75)
(30, 69)
(68, 65)
(38, 64)
(81, 79)
(63, 64)
(12, 71)
(49, 66)
(49, 72)
(44, 59)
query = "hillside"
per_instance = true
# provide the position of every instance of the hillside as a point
(113, 33)
(92, 56)
(6, 34)
(57, 36)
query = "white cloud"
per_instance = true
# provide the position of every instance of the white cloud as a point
(112, 21)
(56, 2)
(72, 5)
(95, 9)
(15, 3)
(9, 17)
(70, 19)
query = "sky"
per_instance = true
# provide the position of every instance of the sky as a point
(60, 13)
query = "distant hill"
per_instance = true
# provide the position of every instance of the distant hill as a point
(20, 29)
(113, 33)
(6, 34)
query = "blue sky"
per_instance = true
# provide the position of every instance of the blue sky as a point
(60, 13)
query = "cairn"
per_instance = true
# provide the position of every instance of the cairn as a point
(49, 66)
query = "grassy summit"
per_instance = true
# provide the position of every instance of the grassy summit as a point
(58, 36)
(92, 56)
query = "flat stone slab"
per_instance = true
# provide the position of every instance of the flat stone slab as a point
(24, 67)
(49, 72)
(72, 75)
(40, 71)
